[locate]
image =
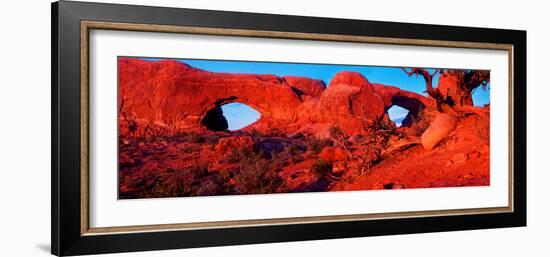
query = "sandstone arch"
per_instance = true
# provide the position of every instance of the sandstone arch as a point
(176, 96)
(413, 102)
(216, 119)
(168, 97)
(413, 105)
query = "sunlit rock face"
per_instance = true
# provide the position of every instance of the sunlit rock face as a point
(176, 137)
(167, 97)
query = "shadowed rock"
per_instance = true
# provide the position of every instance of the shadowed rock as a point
(214, 120)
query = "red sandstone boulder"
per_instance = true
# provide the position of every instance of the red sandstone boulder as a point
(350, 78)
(298, 178)
(440, 127)
(460, 158)
(349, 101)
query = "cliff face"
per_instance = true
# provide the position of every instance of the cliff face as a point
(167, 97)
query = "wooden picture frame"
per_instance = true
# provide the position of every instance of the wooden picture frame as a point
(71, 25)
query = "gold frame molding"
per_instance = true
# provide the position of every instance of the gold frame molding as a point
(87, 26)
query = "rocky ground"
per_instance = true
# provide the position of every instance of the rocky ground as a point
(249, 162)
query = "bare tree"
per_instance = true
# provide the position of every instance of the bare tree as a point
(467, 82)
(458, 93)
(428, 78)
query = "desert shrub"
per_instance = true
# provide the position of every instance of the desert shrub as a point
(336, 132)
(255, 133)
(212, 147)
(339, 138)
(234, 156)
(276, 133)
(295, 149)
(195, 138)
(247, 179)
(132, 126)
(199, 169)
(178, 182)
(189, 149)
(209, 185)
(170, 183)
(268, 147)
(370, 150)
(293, 153)
(322, 167)
(261, 153)
(257, 175)
(137, 184)
(316, 144)
(249, 176)
(386, 125)
(366, 150)
(298, 136)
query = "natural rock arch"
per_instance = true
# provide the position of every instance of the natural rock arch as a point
(167, 97)
(413, 105)
(413, 102)
(397, 116)
(177, 96)
(215, 119)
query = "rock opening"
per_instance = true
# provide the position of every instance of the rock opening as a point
(232, 116)
(398, 114)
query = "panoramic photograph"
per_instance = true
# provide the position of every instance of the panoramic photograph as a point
(194, 127)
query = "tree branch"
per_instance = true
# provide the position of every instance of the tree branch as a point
(428, 78)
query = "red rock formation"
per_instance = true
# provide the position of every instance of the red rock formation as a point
(413, 102)
(167, 97)
(306, 86)
(332, 153)
(440, 127)
(350, 102)
(176, 96)
(320, 138)
(462, 160)
(409, 100)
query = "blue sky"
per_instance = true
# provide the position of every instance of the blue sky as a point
(239, 115)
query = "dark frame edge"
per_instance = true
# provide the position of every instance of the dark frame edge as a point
(520, 126)
(65, 236)
(55, 231)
